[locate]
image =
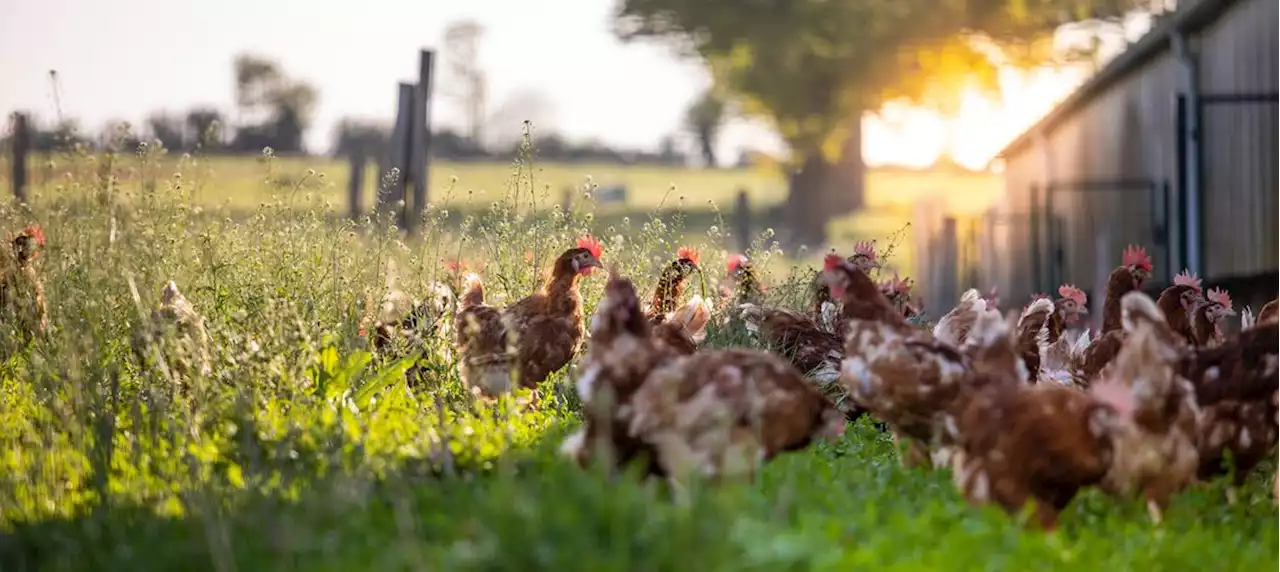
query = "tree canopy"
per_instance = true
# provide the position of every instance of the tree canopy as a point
(813, 66)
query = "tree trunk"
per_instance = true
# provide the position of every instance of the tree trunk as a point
(820, 191)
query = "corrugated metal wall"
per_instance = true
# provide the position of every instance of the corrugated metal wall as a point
(1238, 55)
(1129, 132)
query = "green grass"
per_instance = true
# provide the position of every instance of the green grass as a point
(302, 452)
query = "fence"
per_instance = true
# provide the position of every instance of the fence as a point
(403, 170)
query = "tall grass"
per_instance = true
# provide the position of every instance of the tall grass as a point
(302, 450)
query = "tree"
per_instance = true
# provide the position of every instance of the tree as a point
(704, 119)
(467, 79)
(274, 110)
(203, 125)
(812, 68)
(167, 129)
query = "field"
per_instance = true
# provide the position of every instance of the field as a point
(301, 451)
(705, 198)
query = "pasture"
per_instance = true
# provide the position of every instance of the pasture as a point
(705, 198)
(302, 451)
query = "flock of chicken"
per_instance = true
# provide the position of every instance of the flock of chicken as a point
(1021, 407)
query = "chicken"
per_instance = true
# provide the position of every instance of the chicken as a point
(953, 328)
(174, 338)
(1019, 443)
(1177, 302)
(824, 308)
(898, 291)
(670, 288)
(532, 337)
(741, 284)
(681, 328)
(1174, 303)
(22, 303)
(724, 413)
(1269, 312)
(1131, 275)
(399, 316)
(797, 338)
(1154, 450)
(1207, 323)
(899, 373)
(720, 414)
(620, 356)
(1045, 351)
(1236, 387)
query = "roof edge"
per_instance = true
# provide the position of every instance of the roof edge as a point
(1153, 43)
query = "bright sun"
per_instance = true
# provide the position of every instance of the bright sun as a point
(983, 125)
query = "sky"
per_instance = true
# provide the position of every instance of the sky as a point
(123, 60)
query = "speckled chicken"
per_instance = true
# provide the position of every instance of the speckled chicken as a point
(1236, 386)
(1018, 443)
(1154, 450)
(953, 328)
(899, 373)
(532, 337)
(22, 300)
(1046, 351)
(719, 414)
(621, 354)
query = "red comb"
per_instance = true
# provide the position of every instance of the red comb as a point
(1186, 278)
(1071, 292)
(1219, 296)
(735, 262)
(689, 253)
(866, 248)
(831, 261)
(34, 231)
(455, 265)
(591, 244)
(1135, 255)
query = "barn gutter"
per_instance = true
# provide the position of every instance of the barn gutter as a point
(1192, 217)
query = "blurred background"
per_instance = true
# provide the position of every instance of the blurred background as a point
(970, 135)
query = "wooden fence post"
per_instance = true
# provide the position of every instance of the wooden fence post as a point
(21, 142)
(742, 220)
(398, 154)
(947, 271)
(420, 141)
(357, 162)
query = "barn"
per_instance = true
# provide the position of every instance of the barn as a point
(1171, 146)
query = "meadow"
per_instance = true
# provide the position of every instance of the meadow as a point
(303, 451)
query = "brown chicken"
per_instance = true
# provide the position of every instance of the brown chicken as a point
(531, 338)
(680, 327)
(1270, 311)
(825, 309)
(724, 413)
(719, 414)
(1208, 317)
(1049, 442)
(1155, 451)
(621, 354)
(953, 328)
(898, 291)
(898, 373)
(742, 283)
(1175, 303)
(1236, 387)
(1130, 276)
(22, 303)
(1178, 301)
(1045, 351)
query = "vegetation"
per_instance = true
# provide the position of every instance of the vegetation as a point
(813, 68)
(303, 451)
